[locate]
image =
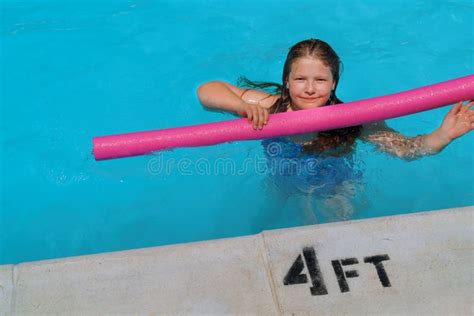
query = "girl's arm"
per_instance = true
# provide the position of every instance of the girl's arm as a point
(253, 104)
(390, 141)
(458, 121)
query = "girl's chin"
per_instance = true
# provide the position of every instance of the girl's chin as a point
(307, 106)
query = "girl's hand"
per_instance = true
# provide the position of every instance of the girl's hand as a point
(256, 114)
(458, 121)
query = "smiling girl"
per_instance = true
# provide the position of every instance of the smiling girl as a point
(310, 78)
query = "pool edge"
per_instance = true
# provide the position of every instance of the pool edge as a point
(245, 274)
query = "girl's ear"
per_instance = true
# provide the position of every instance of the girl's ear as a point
(333, 86)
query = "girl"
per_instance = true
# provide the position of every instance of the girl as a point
(310, 78)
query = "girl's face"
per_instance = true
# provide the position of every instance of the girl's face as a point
(310, 83)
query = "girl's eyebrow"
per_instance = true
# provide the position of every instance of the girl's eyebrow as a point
(315, 77)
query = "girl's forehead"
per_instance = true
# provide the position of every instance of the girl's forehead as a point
(304, 64)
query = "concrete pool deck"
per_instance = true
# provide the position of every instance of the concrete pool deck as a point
(420, 263)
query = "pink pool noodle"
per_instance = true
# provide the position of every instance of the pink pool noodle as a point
(281, 124)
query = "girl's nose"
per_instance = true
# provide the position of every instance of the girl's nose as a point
(310, 89)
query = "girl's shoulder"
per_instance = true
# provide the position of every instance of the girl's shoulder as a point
(262, 98)
(254, 96)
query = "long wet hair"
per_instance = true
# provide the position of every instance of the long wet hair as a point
(341, 140)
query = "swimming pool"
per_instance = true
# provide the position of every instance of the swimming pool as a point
(73, 70)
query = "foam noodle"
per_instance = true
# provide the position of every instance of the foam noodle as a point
(281, 124)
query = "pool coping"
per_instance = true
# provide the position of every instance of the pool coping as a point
(412, 263)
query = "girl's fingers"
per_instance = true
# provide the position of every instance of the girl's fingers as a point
(261, 116)
(467, 106)
(455, 109)
(255, 117)
(265, 115)
(249, 115)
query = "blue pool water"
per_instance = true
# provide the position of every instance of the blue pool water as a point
(71, 70)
